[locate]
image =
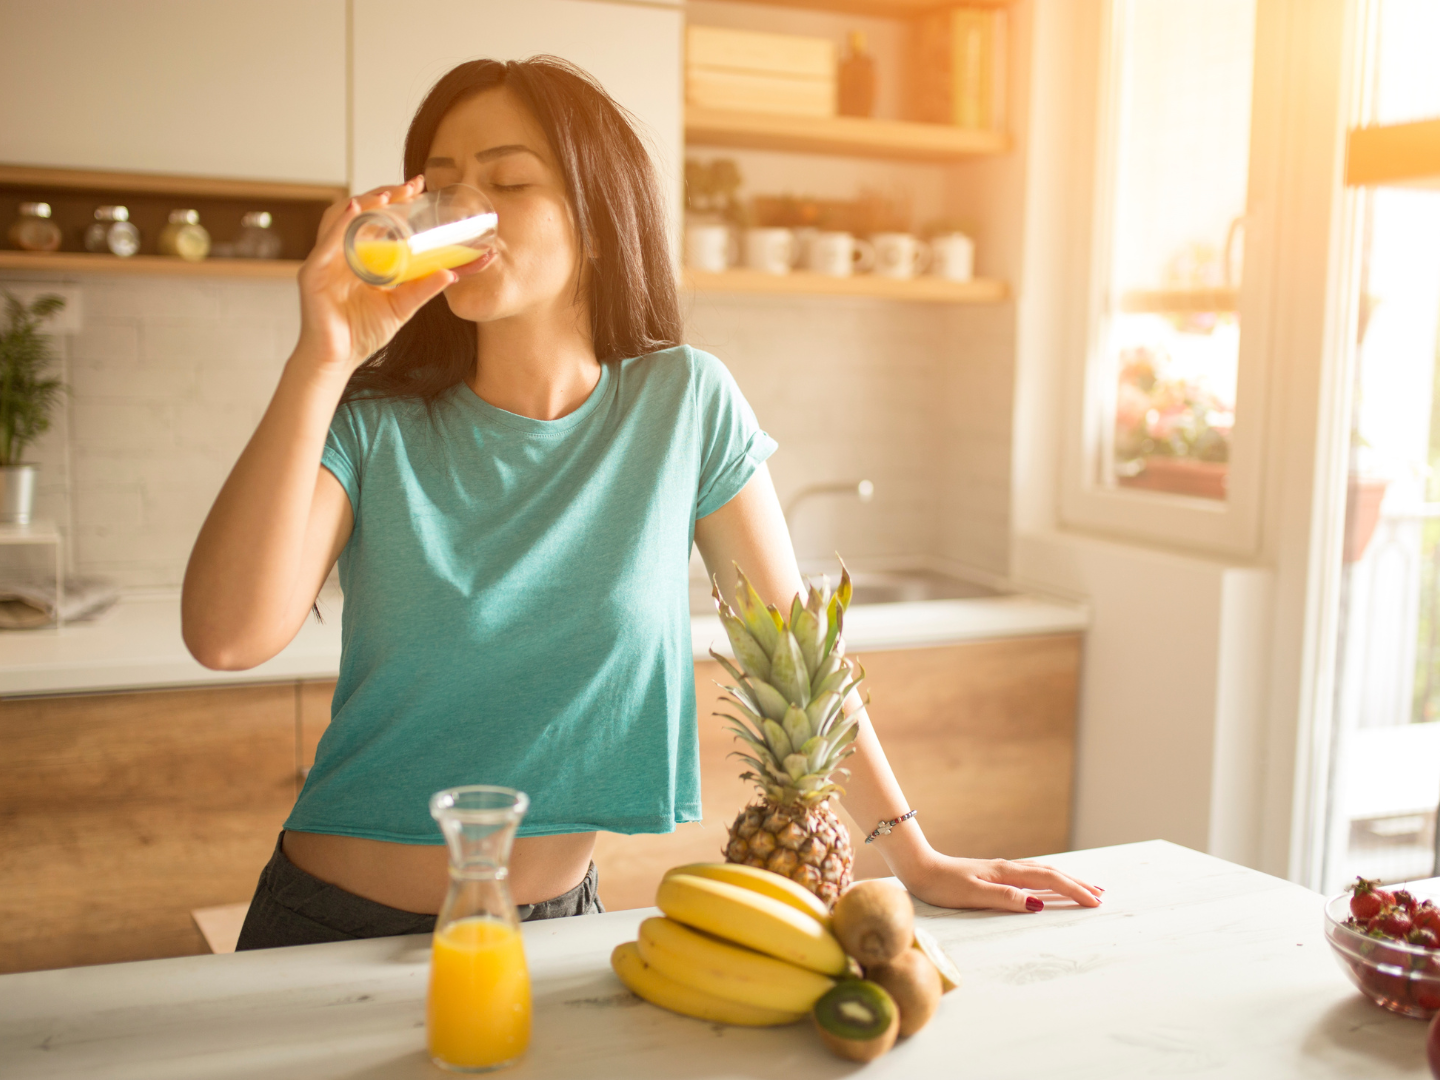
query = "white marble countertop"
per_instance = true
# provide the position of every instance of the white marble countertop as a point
(137, 643)
(1193, 967)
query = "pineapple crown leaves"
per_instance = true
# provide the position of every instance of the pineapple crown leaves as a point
(27, 396)
(790, 688)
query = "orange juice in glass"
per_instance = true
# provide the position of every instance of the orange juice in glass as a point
(477, 1014)
(437, 230)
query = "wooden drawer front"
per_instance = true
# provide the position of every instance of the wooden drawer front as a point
(120, 813)
(980, 735)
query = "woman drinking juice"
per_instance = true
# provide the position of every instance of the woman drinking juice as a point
(510, 460)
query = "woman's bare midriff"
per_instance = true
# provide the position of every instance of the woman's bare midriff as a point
(414, 877)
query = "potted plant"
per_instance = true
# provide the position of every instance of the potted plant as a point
(27, 397)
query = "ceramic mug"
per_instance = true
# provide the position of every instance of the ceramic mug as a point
(900, 255)
(952, 256)
(804, 236)
(707, 247)
(771, 251)
(838, 254)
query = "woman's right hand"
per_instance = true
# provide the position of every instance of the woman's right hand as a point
(342, 319)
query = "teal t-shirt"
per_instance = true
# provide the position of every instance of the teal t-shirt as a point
(516, 602)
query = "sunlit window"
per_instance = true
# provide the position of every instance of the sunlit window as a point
(1171, 339)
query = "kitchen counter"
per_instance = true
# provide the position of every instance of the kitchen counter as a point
(1192, 966)
(137, 644)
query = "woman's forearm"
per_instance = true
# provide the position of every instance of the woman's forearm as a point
(873, 795)
(239, 598)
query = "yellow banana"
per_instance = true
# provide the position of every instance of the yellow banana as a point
(765, 882)
(706, 963)
(748, 918)
(644, 981)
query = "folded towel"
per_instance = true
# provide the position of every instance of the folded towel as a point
(29, 605)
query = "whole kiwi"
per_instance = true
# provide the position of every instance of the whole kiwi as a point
(914, 982)
(857, 1019)
(874, 921)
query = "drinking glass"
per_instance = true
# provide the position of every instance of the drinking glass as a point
(477, 1014)
(437, 230)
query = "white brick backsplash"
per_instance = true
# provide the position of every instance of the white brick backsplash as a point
(171, 375)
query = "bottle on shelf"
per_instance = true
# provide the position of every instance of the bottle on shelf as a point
(184, 236)
(33, 230)
(857, 79)
(257, 240)
(113, 231)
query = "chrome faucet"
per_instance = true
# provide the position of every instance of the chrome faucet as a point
(863, 490)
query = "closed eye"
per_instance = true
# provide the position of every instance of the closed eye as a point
(509, 187)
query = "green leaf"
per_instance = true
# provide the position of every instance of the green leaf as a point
(796, 607)
(747, 650)
(847, 588)
(821, 709)
(787, 671)
(752, 610)
(797, 765)
(777, 740)
(797, 726)
(811, 636)
(771, 702)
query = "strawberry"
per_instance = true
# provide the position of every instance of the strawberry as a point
(1427, 918)
(1405, 900)
(1395, 922)
(1367, 901)
(1424, 938)
(1426, 994)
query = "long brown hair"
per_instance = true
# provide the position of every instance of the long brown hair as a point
(619, 216)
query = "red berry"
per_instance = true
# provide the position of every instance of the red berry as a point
(1424, 938)
(1365, 905)
(1427, 918)
(1395, 922)
(1426, 994)
(1405, 900)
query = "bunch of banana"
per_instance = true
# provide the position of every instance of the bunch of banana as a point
(737, 945)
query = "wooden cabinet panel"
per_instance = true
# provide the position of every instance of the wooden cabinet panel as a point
(313, 718)
(981, 737)
(120, 813)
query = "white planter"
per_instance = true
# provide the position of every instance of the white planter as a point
(17, 493)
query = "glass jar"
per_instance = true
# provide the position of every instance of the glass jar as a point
(112, 231)
(33, 230)
(184, 236)
(438, 230)
(477, 1013)
(257, 240)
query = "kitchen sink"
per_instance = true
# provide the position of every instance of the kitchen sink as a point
(876, 587)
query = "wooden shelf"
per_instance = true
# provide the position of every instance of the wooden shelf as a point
(1401, 155)
(73, 195)
(895, 9)
(1178, 301)
(76, 262)
(843, 135)
(927, 290)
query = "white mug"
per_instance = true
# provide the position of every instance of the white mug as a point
(707, 247)
(900, 255)
(771, 251)
(804, 234)
(838, 254)
(952, 256)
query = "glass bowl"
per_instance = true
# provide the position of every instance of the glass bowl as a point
(1401, 977)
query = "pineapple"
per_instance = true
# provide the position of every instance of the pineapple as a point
(792, 680)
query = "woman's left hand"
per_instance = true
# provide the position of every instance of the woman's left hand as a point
(943, 881)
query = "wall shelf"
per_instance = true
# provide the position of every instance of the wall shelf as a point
(894, 9)
(1405, 155)
(83, 262)
(73, 194)
(842, 135)
(927, 290)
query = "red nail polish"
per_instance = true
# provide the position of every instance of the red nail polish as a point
(1034, 903)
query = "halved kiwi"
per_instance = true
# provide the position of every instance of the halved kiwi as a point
(857, 1019)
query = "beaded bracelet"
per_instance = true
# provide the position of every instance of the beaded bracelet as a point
(883, 829)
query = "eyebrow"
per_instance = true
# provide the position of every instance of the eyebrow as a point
(488, 155)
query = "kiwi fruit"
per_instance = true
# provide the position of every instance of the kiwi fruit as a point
(914, 984)
(874, 922)
(857, 1019)
(949, 973)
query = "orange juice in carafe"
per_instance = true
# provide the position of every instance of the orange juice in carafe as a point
(478, 1011)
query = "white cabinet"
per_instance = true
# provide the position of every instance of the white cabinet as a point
(252, 90)
(634, 50)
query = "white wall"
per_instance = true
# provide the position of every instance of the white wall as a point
(253, 90)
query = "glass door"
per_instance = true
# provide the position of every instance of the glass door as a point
(1384, 783)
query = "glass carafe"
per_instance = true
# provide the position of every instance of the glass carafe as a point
(478, 1008)
(439, 230)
